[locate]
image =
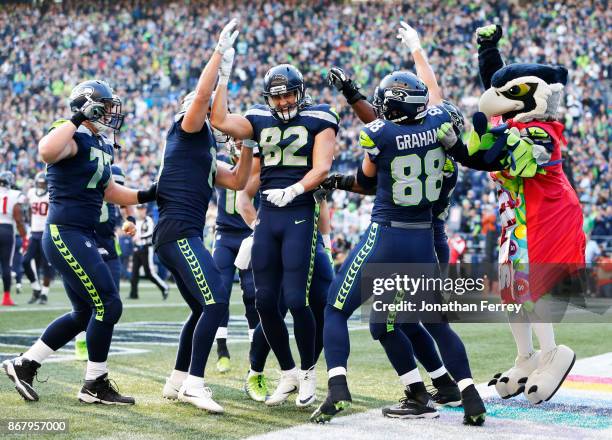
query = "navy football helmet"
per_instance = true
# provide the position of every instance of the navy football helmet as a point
(456, 116)
(280, 80)
(7, 179)
(40, 183)
(401, 97)
(98, 91)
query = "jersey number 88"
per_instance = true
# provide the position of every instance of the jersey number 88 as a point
(408, 189)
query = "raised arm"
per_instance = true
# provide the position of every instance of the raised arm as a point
(410, 38)
(195, 117)
(341, 82)
(236, 177)
(244, 199)
(489, 58)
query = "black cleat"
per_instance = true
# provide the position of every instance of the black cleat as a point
(338, 399)
(414, 406)
(473, 407)
(22, 372)
(447, 395)
(43, 299)
(35, 297)
(165, 293)
(101, 390)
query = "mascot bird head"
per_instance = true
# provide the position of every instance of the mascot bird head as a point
(524, 92)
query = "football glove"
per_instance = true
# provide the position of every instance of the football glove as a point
(489, 35)
(339, 181)
(409, 37)
(225, 69)
(447, 136)
(282, 197)
(243, 258)
(485, 138)
(227, 37)
(89, 111)
(338, 79)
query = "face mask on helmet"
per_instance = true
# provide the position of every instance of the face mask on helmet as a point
(285, 105)
(113, 118)
(6, 179)
(98, 91)
(40, 184)
(220, 138)
(403, 106)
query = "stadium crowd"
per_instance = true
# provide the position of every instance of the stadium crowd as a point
(152, 54)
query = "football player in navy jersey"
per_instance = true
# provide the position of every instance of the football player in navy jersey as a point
(185, 186)
(296, 142)
(78, 157)
(405, 164)
(323, 272)
(231, 230)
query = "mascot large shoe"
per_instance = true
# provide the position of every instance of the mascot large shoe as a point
(512, 382)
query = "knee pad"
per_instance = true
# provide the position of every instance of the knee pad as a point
(113, 309)
(378, 330)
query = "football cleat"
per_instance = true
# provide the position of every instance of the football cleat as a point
(80, 350)
(43, 299)
(256, 387)
(6, 300)
(101, 390)
(553, 368)
(447, 395)
(338, 399)
(171, 390)
(308, 388)
(18, 288)
(165, 293)
(287, 385)
(511, 383)
(200, 397)
(413, 406)
(223, 364)
(22, 372)
(35, 297)
(474, 411)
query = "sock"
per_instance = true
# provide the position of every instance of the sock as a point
(178, 377)
(193, 382)
(36, 286)
(251, 332)
(522, 337)
(438, 373)
(411, 377)
(45, 290)
(443, 381)
(464, 383)
(222, 350)
(221, 333)
(253, 373)
(95, 370)
(38, 352)
(546, 336)
(290, 372)
(336, 371)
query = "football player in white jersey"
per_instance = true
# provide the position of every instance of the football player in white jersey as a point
(34, 258)
(10, 217)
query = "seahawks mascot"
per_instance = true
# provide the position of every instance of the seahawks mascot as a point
(542, 244)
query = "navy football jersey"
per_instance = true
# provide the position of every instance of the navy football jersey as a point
(439, 210)
(286, 148)
(185, 183)
(410, 160)
(77, 184)
(228, 217)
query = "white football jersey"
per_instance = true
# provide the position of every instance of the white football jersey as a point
(8, 199)
(40, 210)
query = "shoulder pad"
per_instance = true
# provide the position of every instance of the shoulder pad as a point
(258, 110)
(321, 111)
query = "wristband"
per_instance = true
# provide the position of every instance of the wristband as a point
(78, 118)
(364, 181)
(147, 195)
(345, 182)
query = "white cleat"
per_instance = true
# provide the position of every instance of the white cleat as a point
(171, 390)
(308, 388)
(287, 384)
(553, 368)
(512, 382)
(200, 398)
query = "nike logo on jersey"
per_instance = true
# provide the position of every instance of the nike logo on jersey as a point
(297, 222)
(416, 140)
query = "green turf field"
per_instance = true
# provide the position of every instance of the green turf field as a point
(142, 329)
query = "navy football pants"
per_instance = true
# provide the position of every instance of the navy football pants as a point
(199, 281)
(96, 305)
(34, 254)
(7, 247)
(283, 261)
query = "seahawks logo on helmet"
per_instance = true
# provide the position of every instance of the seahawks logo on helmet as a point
(456, 116)
(98, 91)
